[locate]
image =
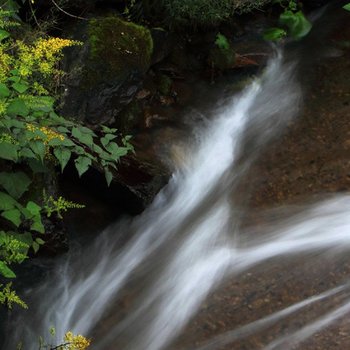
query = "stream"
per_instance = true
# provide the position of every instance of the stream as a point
(191, 240)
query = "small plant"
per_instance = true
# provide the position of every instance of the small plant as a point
(9, 297)
(292, 23)
(347, 7)
(208, 12)
(221, 42)
(58, 205)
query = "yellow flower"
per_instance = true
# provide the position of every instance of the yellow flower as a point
(49, 133)
(76, 342)
(3, 107)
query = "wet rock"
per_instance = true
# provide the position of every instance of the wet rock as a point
(163, 43)
(106, 73)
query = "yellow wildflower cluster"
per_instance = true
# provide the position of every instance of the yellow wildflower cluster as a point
(39, 89)
(49, 133)
(4, 137)
(5, 63)
(76, 342)
(41, 56)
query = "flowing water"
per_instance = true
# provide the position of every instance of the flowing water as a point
(191, 239)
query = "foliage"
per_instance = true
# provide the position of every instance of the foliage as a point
(76, 342)
(347, 7)
(58, 205)
(293, 24)
(222, 55)
(70, 341)
(34, 140)
(130, 46)
(221, 42)
(208, 12)
(9, 297)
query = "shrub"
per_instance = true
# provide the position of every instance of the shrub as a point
(208, 12)
(35, 140)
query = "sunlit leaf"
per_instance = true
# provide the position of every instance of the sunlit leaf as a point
(6, 271)
(15, 183)
(13, 215)
(82, 164)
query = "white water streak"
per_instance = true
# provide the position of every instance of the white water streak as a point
(268, 321)
(192, 216)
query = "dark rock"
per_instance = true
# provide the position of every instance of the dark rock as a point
(105, 74)
(163, 43)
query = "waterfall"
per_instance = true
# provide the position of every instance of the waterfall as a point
(189, 240)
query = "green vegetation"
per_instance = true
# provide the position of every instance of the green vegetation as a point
(222, 55)
(208, 12)
(35, 141)
(129, 46)
(292, 23)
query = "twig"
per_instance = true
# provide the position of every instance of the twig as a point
(67, 13)
(33, 14)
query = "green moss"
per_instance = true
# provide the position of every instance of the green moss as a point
(222, 55)
(208, 12)
(120, 46)
(164, 84)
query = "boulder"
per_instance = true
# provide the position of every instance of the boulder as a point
(105, 74)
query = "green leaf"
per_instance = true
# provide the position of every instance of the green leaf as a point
(55, 142)
(67, 142)
(97, 149)
(85, 138)
(8, 151)
(82, 164)
(6, 271)
(41, 103)
(104, 141)
(4, 91)
(35, 247)
(110, 137)
(39, 241)
(63, 155)
(347, 7)
(86, 130)
(221, 42)
(20, 87)
(15, 183)
(274, 34)
(37, 166)
(13, 215)
(62, 129)
(12, 122)
(15, 79)
(17, 107)
(106, 129)
(25, 237)
(116, 150)
(37, 225)
(298, 26)
(4, 34)
(26, 153)
(6, 202)
(109, 176)
(33, 208)
(38, 147)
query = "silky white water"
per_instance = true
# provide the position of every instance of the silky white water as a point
(190, 240)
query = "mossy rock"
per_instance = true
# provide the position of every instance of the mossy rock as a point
(164, 84)
(105, 74)
(222, 58)
(119, 45)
